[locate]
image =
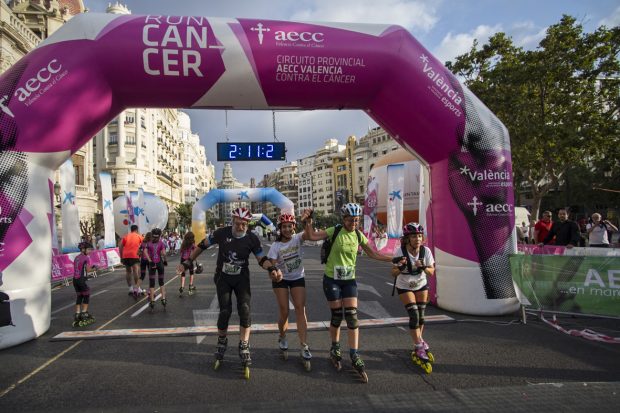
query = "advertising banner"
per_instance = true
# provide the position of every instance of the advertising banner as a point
(571, 284)
(370, 207)
(396, 183)
(70, 215)
(108, 209)
(62, 264)
(131, 217)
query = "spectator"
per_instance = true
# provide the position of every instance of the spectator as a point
(542, 227)
(597, 231)
(565, 231)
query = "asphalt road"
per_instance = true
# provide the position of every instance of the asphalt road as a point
(495, 356)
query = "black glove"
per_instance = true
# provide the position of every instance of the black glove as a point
(272, 268)
(396, 260)
(165, 263)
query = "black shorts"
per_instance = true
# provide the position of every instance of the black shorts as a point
(130, 262)
(80, 286)
(300, 282)
(403, 291)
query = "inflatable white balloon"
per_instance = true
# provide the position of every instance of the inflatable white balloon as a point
(155, 210)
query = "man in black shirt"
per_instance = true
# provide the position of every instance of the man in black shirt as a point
(232, 274)
(565, 231)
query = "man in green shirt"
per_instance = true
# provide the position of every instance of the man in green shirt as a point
(339, 282)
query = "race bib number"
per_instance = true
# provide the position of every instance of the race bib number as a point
(417, 284)
(292, 265)
(343, 273)
(231, 269)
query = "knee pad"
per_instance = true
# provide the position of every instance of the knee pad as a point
(350, 315)
(336, 317)
(414, 316)
(85, 298)
(244, 315)
(222, 319)
(161, 280)
(421, 309)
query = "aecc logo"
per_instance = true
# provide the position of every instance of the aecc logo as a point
(288, 36)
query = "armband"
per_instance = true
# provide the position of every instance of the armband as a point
(262, 261)
(272, 268)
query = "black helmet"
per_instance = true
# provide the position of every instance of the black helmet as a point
(199, 268)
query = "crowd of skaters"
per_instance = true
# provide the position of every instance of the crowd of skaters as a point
(593, 232)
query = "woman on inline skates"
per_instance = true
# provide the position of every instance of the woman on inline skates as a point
(286, 255)
(339, 283)
(412, 265)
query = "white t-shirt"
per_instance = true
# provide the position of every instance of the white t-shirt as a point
(101, 244)
(598, 235)
(288, 257)
(407, 281)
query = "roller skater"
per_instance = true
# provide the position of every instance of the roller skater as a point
(220, 350)
(339, 254)
(358, 365)
(246, 360)
(129, 249)
(287, 274)
(81, 266)
(283, 346)
(306, 357)
(187, 247)
(233, 275)
(411, 267)
(155, 252)
(335, 356)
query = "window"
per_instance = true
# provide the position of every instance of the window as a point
(142, 122)
(130, 140)
(113, 139)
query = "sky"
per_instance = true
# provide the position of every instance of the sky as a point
(447, 28)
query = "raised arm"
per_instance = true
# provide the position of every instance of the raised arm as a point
(309, 233)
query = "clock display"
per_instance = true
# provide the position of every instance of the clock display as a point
(251, 151)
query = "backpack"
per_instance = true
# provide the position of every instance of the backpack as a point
(326, 248)
(403, 249)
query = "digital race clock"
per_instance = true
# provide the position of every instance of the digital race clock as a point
(251, 151)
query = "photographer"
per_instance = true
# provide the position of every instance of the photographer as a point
(597, 231)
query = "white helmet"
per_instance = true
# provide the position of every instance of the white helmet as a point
(351, 210)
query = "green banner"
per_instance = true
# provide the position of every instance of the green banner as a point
(572, 284)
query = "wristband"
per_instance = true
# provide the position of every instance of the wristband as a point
(272, 268)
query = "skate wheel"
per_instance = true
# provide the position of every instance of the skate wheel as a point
(427, 367)
(431, 358)
(217, 364)
(363, 376)
(246, 373)
(307, 365)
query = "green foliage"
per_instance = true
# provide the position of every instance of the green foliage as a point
(184, 211)
(560, 102)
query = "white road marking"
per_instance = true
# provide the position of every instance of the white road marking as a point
(369, 288)
(145, 306)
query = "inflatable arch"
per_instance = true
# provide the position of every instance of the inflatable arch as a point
(217, 196)
(58, 96)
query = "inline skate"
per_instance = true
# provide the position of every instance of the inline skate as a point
(220, 350)
(306, 356)
(358, 365)
(283, 345)
(164, 302)
(419, 357)
(180, 291)
(430, 356)
(192, 289)
(336, 356)
(246, 360)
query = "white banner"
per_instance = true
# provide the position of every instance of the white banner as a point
(142, 229)
(108, 209)
(370, 207)
(70, 215)
(395, 187)
(131, 217)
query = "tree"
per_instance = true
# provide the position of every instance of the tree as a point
(184, 211)
(559, 102)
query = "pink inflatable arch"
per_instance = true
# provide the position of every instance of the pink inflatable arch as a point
(58, 96)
